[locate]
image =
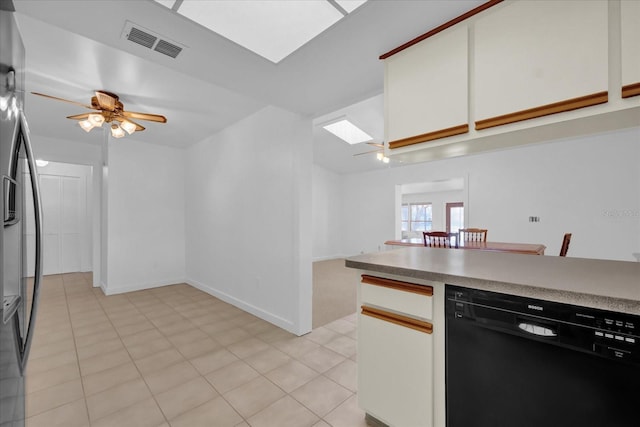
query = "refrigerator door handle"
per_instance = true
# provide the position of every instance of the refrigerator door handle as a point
(11, 216)
(25, 346)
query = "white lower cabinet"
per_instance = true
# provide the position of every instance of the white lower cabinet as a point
(395, 372)
(400, 365)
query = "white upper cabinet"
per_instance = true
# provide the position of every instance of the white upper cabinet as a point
(530, 54)
(630, 32)
(426, 88)
(511, 73)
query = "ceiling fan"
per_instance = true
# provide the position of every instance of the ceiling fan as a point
(110, 110)
(379, 152)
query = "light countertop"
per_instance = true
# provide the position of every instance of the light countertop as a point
(603, 284)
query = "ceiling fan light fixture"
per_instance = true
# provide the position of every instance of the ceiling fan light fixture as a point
(110, 110)
(385, 159)
(128, 126)
(86, 125)
(96, 119)
(380, 156)
(116, 131)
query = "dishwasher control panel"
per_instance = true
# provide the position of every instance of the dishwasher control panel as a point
(608, 334)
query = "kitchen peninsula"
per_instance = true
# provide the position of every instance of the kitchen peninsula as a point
(518, 248)
(402, 325)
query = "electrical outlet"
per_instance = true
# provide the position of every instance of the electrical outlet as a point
(534, 219)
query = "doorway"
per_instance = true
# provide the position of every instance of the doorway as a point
(444, 197)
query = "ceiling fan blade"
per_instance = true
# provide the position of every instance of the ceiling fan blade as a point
(368, 152)
(145, 116)
(139, 127)
(79, 116)
(375, 144)
(106, 101)
(64, 100)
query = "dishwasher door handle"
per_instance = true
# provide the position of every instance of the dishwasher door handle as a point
(537, 330)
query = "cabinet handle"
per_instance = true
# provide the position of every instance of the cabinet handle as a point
(631, 90)
(545, 110)
(429, 136)
(398, 319)
(397, 285)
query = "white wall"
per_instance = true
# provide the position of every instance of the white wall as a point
(248, 199)
(146, 216)
(589, 186)
(64, 151)
(327, 214)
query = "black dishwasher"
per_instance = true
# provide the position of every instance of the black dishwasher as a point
(521, 362)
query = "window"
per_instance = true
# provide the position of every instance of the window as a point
(416, 216)
(455, 217)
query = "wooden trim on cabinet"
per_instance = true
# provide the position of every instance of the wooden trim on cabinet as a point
(441, 28)
(407, 322)
(430, 136)
(631, 90)
(398, 285)
(544, 110)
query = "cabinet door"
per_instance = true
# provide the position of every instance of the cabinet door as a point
(426, 91)
(395, 371)
(630, 32)
(546, 56)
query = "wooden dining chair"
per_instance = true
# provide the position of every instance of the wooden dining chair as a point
(472, 235)
(565, 244)
(440, 239)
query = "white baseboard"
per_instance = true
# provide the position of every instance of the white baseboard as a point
(114, 290)
(243, 305)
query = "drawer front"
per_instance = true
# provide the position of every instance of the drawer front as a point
(402, 297)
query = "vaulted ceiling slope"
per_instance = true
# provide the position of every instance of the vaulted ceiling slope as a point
(75, 47)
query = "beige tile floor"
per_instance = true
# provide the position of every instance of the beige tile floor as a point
(175, 356)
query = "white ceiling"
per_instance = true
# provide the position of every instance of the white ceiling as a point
(75, 47)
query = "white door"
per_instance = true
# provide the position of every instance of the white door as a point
(65, 221)
(61, 211)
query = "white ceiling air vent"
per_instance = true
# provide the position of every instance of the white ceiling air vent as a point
(151, 40)
(136, 35)
(167, 48)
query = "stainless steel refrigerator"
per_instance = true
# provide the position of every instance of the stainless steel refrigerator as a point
(19, 288)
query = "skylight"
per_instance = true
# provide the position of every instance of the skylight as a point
(348, 132)
(271, 28)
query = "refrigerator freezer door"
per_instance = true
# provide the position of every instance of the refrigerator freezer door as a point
(17, 167)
